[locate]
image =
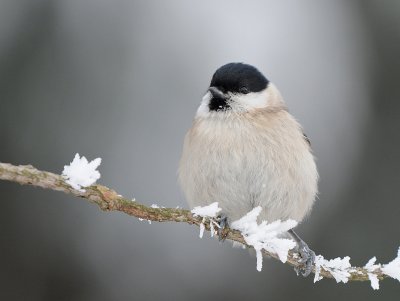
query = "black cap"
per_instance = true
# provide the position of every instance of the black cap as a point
(239, 78)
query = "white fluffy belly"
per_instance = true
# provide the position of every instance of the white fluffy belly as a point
(240, 167)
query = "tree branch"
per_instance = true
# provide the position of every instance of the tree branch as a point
(109, 200)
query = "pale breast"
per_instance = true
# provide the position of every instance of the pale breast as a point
(246, 162)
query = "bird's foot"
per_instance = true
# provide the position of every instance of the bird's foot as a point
(307, 255)
(307, 258)
(223, 223)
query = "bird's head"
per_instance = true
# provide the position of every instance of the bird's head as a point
(238, 88)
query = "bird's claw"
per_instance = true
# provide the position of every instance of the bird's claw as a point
(307, 255)
(307, 259)
(223, 223)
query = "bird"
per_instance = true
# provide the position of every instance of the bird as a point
(244, 149)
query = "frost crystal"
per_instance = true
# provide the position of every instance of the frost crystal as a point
(374, 281)
(392, 269)
(142, 219)
(81, 173)
(210, 212)
(213, 224)
(212, 229)
(201, 230)
(265, 236)
(338, 267)
(371, 267)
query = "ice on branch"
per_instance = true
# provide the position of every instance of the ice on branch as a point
(338, 267)
(210, 212)
(265, 236)
(392, 269)
(371, 267)
(81, 173)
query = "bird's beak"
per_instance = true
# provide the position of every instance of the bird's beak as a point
(216, 93)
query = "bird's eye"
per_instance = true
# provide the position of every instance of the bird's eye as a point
(244, 90)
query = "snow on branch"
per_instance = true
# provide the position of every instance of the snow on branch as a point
(210, 212)
(263, 237)
(81, 173)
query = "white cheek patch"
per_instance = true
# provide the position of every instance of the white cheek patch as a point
(203, 109)
(254, 100)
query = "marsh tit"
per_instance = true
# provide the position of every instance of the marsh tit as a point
(244, 150)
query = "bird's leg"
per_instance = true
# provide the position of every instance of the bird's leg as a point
(223, 223)
(307, 255)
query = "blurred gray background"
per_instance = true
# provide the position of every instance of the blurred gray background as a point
(121, 80)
